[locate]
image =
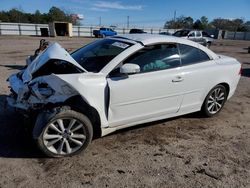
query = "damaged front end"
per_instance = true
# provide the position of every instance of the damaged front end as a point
(38, 84)
(39, 92)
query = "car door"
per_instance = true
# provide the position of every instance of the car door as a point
(154, 92)
(197, 71)
(191, 36)
(199, 38)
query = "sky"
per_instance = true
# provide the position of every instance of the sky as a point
(142, 13)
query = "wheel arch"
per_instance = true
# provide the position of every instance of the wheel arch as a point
(78, 104)
(226, 85)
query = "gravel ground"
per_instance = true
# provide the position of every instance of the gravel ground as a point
(188, 151)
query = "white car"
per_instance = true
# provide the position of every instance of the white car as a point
(200, 37)
(118, 82)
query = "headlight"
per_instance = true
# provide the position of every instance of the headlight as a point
(42, 91)
(46, 92)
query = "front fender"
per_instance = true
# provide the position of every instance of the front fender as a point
(92, 88)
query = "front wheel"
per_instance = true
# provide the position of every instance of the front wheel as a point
(65, 134)
(214, 101)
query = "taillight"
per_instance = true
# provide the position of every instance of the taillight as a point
(240, 72)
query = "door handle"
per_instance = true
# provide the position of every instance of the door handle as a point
(178, 79)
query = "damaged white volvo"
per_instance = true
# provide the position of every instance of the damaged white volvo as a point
(115, 83)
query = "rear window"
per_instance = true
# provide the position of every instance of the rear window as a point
(191, 55)
(181, 33)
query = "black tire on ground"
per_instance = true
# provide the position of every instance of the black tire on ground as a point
(208, 45)
(206, 104)
(43, 123)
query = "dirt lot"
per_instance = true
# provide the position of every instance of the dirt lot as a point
(189, 151)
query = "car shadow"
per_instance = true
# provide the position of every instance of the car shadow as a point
(195, 115)
(15, 140)
(245, 72)
(16, 67)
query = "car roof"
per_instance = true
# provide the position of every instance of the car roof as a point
(149, 39)
(146, 39)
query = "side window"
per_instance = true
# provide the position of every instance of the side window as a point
(191, 34)
(157, 57)
(191, 55)
(198, 33)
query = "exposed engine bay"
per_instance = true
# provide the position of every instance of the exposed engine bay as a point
(37, 84)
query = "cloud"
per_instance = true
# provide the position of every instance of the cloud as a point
(116, 5)
(79, 1)
(99, 9)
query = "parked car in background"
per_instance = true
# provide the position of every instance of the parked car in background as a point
(134, 31)
(200, 37)
(118, 82)
(165, 33)
(104, 32)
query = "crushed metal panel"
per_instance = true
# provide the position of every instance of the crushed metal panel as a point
(54, 51)
(57, 91)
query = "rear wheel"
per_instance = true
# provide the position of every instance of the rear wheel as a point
(208, 44)
(214, 101)
(65, 134)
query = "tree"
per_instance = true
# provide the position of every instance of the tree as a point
(17, 15)
(198, 25)
(56, 14)
(181, 22)
(231, 25)
(238, 25)
(37, 17)
(188, 22)
(205, 22)
(247, 25)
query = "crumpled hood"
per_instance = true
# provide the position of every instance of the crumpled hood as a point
(54, 51)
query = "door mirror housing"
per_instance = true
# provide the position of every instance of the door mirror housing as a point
(129, 68)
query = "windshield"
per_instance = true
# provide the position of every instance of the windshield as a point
(97, 55)
(182, 33)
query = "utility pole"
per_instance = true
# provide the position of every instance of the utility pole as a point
(174, 17)
(127, 22)
(100, 21)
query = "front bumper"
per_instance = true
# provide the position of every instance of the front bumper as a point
(12, 101)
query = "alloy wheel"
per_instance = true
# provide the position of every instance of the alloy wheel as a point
(216, 100)
(64, 136)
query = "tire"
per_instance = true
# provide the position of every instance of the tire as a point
(208, 44)
(214, 101)
(63, 134)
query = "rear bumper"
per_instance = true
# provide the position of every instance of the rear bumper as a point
(233, 87)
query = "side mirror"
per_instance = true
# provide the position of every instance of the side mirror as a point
(129, 68)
